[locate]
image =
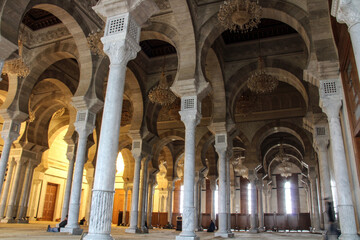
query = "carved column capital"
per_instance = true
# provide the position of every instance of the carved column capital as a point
(346, 11)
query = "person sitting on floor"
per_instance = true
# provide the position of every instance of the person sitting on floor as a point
(82, 221)
(57, 229)
(211, 227)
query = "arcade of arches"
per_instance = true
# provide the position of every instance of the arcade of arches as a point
(80, 136)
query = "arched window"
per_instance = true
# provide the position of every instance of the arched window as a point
(288, 203)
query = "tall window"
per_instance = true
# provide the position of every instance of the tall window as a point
(181, 199)
(288, 197)
(249, 198)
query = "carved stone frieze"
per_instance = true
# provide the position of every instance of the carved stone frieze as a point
(163, 4)
(48, 35)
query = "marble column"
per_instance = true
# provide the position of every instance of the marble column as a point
(314, 200)
(84, 126)
(212, 180)
(135, 195)
(348, 12)
(14, 188)
(170, 189)
(143, 199)
(126, 190)
(321, 143)
(237, 194)
(266, 197)
(253, 220)
(26, 190)
(90, 180)
(222, 194)
(228, 195)
(197, 201)
(151, 199)
(9, 133)
(71, 157)
(5, 194)
(261, 207)
(191, 119)
(331, 106)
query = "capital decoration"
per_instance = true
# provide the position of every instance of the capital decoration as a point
(16, 67)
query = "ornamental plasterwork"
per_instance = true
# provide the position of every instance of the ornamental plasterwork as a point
(163, 4)
(47, 35)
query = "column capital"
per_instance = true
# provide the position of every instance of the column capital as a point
(346, 11)
(312, 173)
(330, 97)
(191, 118)
(85, 122)
(252, 176)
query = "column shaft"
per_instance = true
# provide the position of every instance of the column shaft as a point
(74, 206)
(26, 192)
(222, 199)
(253, 222)
(6, 189)
(4, 158)
(125, 206)
(170, 200)
(315, 206)
(65, 208)
(261, 207)
(144, 197)
(150, 204)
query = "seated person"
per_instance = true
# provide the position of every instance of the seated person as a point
(211, 227)
(168, 226)
(57, 229)
(82, 221)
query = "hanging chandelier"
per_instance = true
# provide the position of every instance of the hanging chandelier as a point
(17, 66)
(284, 166)
(260, 81)
(239, 15)
(161, 94)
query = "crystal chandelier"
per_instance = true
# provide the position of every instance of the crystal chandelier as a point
(285, 165)
(239, 15)
(260, 81)
(17, 66)
(161, 94)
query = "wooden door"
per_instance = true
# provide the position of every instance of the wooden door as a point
(50, 200)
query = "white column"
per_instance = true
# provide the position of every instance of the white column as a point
(26, 190)
(212, 180)
(135, 195)
(260, 203)
(9, 133)
(170, 189)
(348, 12)
(84, 126)
(191, 119)
(331, 106)
(90, 180)
(71, 157)
(314, 200)
(237, 194)
(222, 192)
(197, 201)
(123, 223)
(143, 202)
(321, 142)
(253, 222)
(150, 203)
(228, 195)
(5, 194)
(14, 188)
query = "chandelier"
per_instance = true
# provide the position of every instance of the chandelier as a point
(94, 42)
(285, 165)
(260, 81)
(161, 94)
(17, 66)
(239, 15)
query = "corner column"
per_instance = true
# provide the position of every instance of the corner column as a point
(71, 157)
(331, 102)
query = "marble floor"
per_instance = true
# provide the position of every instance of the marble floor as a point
(36, 230)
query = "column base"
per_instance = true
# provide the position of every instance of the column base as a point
(72, 231)
(254, 230)
(22, 221)
(349, 237)
(6, 220)
(261, 229)
(94, 236)
(224, 234)
(179, 237)
(133, 230)
(144, 230)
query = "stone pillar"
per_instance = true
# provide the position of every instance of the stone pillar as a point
(321, 142)
(228, 195)
(253, 220)
(26, 190)
(135, 195)
(90, 180)
(9, 133)
(5, 194)
(237, 194)
(314, 200)
(212, 180)
(126, 190)
(150, 203)
(348, 12)
(143, 201)
(330, 101)
(261, 207)
(84, 126)
(170, 189)
(197, 201)
(221, 147)
(14, 188)
(190, 115)
(266, 196)
(121, 44)
(71, 157)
